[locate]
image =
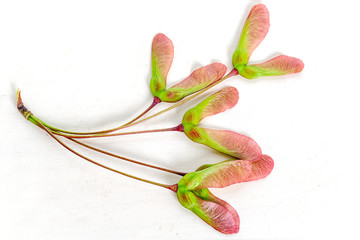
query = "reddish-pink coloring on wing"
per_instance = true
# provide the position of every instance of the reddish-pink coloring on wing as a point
(281, 65)
(203, 76)
(225, 174)
(235, 144)
(222, 216)
(224, 99)
(163, 54)
(256, 27)
(261, 168)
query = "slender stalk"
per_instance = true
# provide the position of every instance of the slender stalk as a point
(152, 105)
(114, 155)
(108, 153)
(135, 121)
(118, 134)
(126, 159)
(170, 187)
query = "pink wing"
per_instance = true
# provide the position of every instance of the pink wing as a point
(227, 142)
(235, 144)
(214, 211)
(229, 172)
(199, 79)
(255, 29)
(277, 66)
(216, 103)
(261, 168)
(222, 174)
(162, 54)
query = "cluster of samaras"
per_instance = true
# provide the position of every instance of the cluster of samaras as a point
(247, 161)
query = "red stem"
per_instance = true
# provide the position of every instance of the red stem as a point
(127, 159)
(170, 187)
(177, 128)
